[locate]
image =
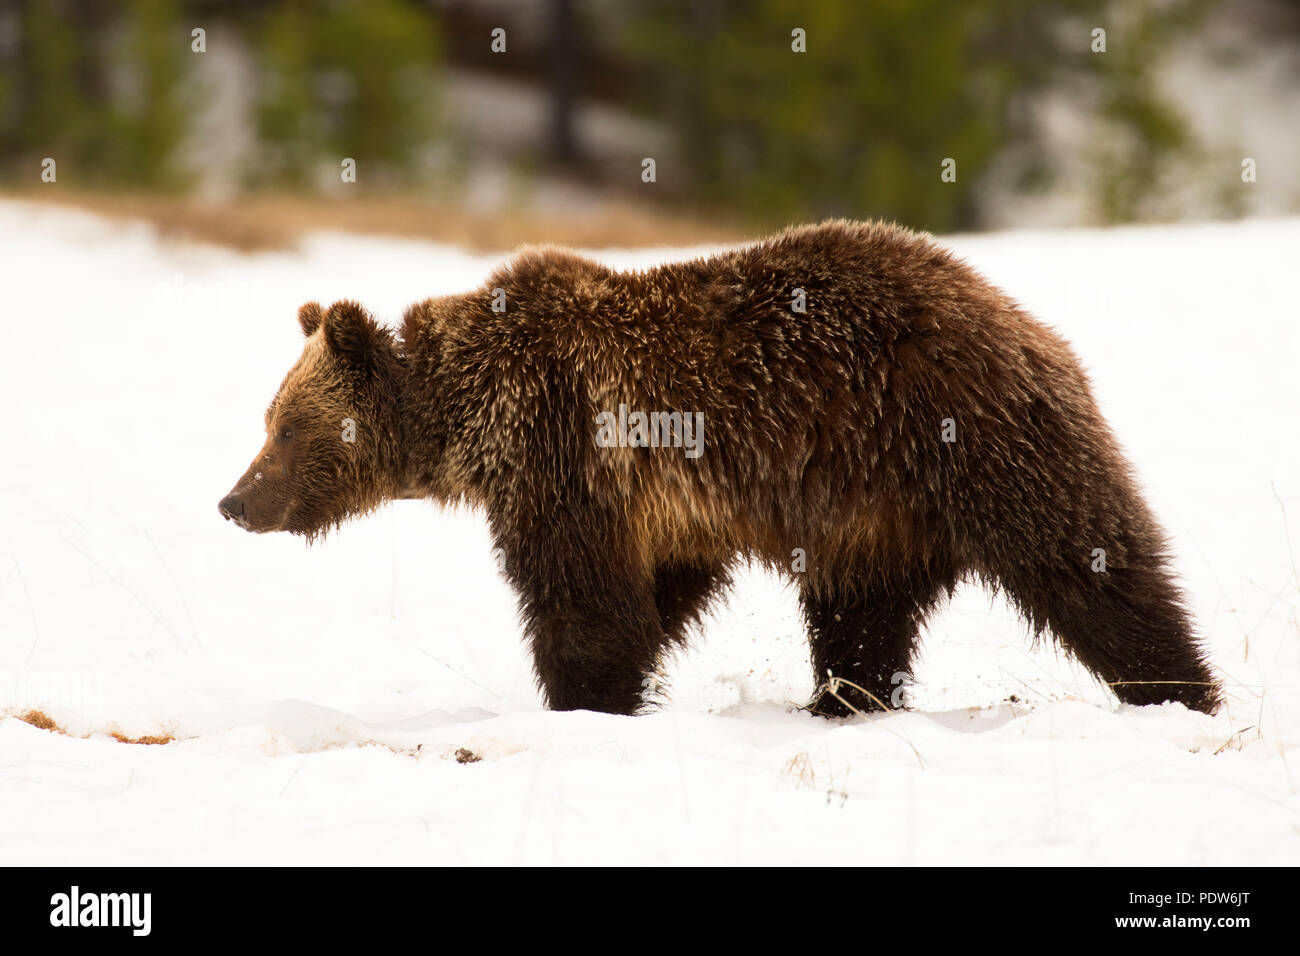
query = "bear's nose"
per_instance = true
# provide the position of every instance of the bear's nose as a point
(232, 507)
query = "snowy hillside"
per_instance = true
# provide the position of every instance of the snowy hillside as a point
(317, 698)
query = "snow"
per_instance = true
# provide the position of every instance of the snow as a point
(318, 696)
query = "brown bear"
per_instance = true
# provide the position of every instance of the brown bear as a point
(846, 403)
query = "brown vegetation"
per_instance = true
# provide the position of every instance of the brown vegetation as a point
(43, 721)
(261, 222)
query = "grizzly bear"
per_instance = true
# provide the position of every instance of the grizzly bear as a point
(846, 403)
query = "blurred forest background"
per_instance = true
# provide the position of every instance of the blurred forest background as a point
(463, 132)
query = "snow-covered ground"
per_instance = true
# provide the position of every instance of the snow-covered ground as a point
(318, 696)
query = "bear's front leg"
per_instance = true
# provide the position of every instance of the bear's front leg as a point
(589, 615)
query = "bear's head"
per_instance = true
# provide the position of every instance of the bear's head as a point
(333, 445)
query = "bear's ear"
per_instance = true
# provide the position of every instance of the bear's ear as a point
(309, 317)
(351, 333)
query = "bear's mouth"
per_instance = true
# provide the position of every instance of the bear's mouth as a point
(243, 523)
(239, 517)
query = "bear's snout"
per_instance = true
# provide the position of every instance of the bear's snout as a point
(232, 509)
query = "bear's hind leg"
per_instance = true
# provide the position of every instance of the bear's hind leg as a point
(866, 634)
(1090, 564)
(1126, 624)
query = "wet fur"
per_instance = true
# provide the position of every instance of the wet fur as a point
(822, 433)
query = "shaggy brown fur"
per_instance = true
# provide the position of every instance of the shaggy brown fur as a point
(823, 432)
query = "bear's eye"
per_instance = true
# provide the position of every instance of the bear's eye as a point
(286, 434)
